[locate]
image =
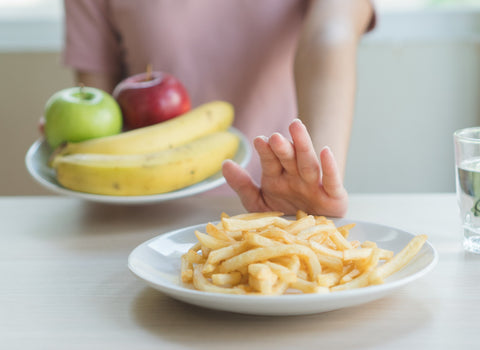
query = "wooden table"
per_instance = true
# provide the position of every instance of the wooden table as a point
(64, 283)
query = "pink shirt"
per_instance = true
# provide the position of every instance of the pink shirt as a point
(239, 51)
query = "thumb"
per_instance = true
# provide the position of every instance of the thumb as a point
(242, 183)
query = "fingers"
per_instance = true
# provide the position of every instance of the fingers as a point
(331, 179)
(285, 152)
(271, 166)
(306, 158)
(297, 158)
(242, 183)
(276, 155)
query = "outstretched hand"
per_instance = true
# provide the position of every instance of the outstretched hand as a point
(293, 178)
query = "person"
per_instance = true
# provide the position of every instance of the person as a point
(273, 60)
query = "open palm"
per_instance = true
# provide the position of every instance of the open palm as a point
(293, 177)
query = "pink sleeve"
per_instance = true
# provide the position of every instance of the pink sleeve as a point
(91, 42)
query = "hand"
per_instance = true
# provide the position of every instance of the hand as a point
(292, 177)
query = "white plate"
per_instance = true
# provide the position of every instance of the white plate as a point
(157, 262)
(38, 154)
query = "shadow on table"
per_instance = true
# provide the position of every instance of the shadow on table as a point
(349, 328)
(120, 228)
(134, 216)
(171, 214)
(468, 256)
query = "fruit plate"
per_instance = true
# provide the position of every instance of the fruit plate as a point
(157, 262)
(38, 154)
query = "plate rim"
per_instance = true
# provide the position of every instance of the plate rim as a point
(152, 198)
(377, 290)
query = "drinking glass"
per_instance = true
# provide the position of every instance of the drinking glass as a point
(467, 161)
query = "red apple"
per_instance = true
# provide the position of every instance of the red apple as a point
(150, 98)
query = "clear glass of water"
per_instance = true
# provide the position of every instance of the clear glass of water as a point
(467, 161)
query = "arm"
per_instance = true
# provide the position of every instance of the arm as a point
(293, 176)
(325, 71)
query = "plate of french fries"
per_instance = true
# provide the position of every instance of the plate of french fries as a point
(271, 264)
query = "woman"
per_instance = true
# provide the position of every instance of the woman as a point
(273, 60)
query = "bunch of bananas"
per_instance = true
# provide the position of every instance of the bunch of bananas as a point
(155, 159)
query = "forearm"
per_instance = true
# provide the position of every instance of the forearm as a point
(325, 71)
(326, 95)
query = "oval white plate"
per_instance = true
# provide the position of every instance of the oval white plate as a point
(38, 154)
(157, 262)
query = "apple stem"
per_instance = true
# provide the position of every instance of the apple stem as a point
(149, 72)
(82, 92)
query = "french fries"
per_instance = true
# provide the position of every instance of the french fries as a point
(268, 254)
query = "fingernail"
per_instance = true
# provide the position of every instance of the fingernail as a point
(278, 134)
(263, 137)
(227, 161)
(327, 148)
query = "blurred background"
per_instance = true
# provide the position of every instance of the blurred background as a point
(418, 81)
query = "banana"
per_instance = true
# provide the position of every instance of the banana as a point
(144, 174)
(207, 118)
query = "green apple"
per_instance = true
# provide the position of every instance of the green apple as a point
(81, 113)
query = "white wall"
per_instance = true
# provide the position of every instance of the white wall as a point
(418, 81)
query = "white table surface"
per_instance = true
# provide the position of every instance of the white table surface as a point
(64, 283)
